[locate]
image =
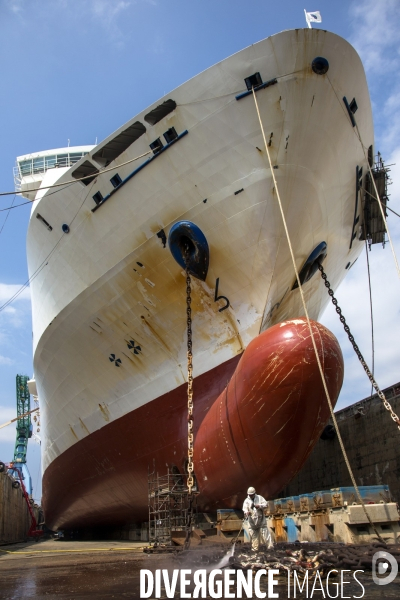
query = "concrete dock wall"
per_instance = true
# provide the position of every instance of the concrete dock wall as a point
(371, 439)
(15, 519)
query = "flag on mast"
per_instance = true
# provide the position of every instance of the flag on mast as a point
(313, 17)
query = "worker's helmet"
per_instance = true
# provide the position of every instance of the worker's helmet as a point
(251, 491)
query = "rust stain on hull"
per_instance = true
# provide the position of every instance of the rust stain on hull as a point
(73, 433)
(161, 342)
(84, 426)
(105, 412)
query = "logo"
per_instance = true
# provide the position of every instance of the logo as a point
(384, 568)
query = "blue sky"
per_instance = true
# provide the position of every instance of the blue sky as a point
(78, 70)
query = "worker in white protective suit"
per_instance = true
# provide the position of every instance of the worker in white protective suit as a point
(253, 508)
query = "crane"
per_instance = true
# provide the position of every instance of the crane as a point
(24, 431)
(18, 467)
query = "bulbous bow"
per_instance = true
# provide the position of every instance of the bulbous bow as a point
(263, 426)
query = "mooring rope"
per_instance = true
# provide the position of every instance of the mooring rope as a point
(371, 315)
(20, 417)
(70, 181)
(310, 328)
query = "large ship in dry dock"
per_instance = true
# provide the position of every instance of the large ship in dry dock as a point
(109, 298)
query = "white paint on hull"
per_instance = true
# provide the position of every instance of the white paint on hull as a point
(93, 297)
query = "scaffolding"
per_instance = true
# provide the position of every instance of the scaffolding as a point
(374, 229)
(168, 506)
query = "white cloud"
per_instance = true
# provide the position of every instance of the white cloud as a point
(389, 113)
(7, 434)
(394, 189)
(15, 6)
(7, 291)
(106, 12)
(9, 321)
(376, 33)
(4, 360)
(375, 37)
(13, 315)
(108, 9)
(353, 297)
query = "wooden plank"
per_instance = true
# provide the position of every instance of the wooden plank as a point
(199, 534)
(230, 525)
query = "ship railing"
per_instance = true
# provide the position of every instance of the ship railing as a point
(17, 179)
(39, 165)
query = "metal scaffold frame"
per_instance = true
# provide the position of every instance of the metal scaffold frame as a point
(168, 506)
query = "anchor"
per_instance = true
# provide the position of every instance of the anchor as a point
(186, 239)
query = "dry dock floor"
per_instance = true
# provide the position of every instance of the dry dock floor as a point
(69, 570)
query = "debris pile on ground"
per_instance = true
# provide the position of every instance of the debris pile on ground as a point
(323, 557)
(297, 556)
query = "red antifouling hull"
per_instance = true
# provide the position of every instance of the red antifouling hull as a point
(258, 430)
(263, 426)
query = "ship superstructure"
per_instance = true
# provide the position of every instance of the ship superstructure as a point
(32, 170)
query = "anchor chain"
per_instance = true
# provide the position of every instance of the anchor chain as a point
(190, 465)
(381, 395)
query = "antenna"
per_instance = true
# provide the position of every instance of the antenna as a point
(68, 143)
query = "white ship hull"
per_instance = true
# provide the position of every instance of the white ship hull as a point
(110, 282)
